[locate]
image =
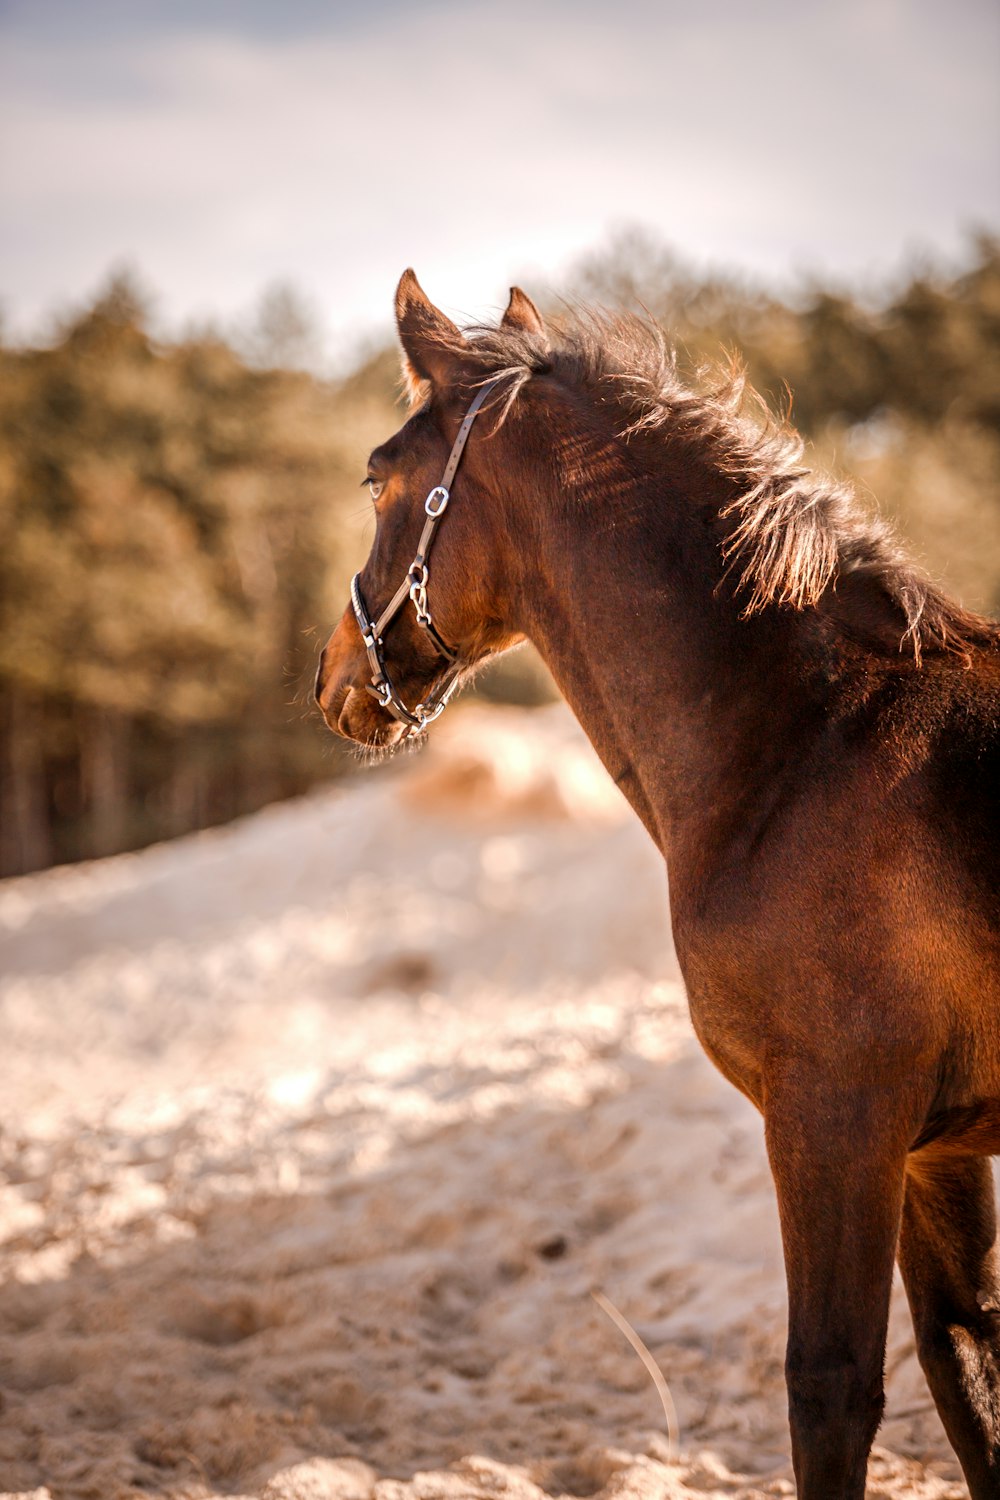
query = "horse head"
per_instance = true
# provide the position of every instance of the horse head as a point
(418, 623)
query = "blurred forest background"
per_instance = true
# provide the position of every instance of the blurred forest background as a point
(179, 520)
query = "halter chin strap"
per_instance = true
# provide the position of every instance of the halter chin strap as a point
(414, 588)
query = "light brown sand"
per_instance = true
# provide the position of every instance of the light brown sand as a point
(319, 1131)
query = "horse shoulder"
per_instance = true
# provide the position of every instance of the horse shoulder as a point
(862, 918)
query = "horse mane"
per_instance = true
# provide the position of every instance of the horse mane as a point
(790, 534)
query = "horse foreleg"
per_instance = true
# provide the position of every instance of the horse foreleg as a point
(838, 1167)
(948, 1259)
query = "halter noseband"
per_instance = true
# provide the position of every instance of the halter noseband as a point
(414, 588)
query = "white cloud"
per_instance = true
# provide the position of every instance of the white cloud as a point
(478, 142)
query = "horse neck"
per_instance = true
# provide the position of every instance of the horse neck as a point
(697, 713)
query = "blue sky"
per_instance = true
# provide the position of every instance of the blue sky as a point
(219, 146)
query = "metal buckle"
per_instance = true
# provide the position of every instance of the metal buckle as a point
(436, 501)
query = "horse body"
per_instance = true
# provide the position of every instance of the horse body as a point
(728, 633)
(859, 916)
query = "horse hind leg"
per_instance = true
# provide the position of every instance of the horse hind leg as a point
(948, 1259)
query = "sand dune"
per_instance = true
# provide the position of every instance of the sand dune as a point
(320, 1130)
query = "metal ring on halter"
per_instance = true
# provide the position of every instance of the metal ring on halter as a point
(418, 597)
(414, 588)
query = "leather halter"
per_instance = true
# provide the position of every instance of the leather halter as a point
(414, 588)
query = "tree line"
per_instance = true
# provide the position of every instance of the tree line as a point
(174, 530)
(178, 521)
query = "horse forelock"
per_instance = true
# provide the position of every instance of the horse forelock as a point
(789, 532)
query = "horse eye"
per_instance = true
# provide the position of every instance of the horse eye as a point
(376, 486)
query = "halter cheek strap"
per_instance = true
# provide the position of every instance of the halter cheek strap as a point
(414, 588)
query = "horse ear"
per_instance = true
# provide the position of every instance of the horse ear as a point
(432, 343)
(522, 314)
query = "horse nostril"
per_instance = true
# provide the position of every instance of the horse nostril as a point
(318, 685)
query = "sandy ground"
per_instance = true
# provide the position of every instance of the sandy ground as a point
(319, 1131)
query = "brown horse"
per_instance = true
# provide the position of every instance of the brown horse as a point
(810, 732)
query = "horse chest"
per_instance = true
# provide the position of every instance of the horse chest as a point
(733, 1032)
(733, 1045)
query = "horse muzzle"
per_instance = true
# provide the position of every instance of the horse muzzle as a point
(347, 707)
